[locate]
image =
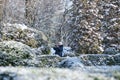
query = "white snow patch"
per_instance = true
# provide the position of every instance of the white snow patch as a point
(21, 26)
(111, 5)
(52, 51)
(68, 4)
(101, 49)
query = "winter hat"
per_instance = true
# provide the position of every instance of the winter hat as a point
(60, 43)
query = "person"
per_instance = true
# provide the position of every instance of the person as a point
(59, 49)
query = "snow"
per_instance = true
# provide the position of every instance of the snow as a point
(114, 19)
(21, 26)
(111, 5)
(68, 4)
(71, 62)
(101, 49)
(67, 50)
(52, 51)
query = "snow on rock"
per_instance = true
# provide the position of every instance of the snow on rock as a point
(71, 62)
(21, 33)
(19, 26)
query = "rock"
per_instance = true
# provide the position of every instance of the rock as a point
(29, 36)
(71, 62)
(100, 59)
(47, 61)
(14, 53)
(110, 50)
(117, 59)
(67, 51)
(8, 76)
(43, 50)
(24, 34)
(37, 51)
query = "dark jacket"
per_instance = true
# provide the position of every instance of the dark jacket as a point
(58, 50)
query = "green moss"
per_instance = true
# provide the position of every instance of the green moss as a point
(32, 43)
(96, 78)
(117, 75)
(4, 37)
(46, 50)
